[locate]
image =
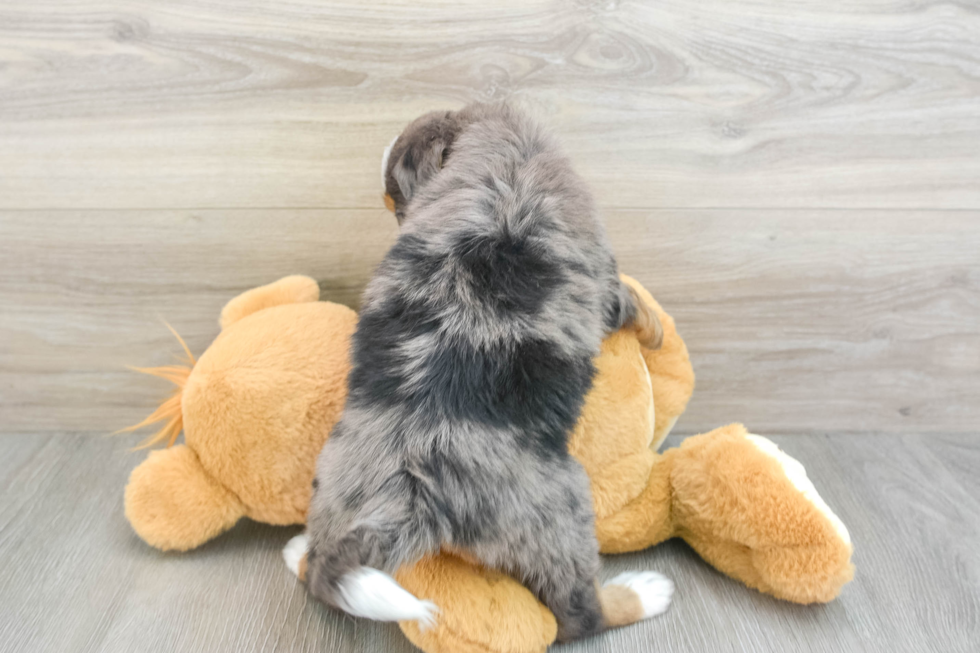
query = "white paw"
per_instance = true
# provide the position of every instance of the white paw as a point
(294, 551)
(654, 590)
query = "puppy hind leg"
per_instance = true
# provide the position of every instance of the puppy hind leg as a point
(585, 609)
(555, 554)
(562, 567)
(632, 596)
(345, 575)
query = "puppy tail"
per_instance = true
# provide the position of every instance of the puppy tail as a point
(364, 591)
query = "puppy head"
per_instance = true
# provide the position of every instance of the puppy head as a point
(416, 156)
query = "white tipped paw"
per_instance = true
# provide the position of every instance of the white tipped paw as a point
(654, 590)
(294, 551)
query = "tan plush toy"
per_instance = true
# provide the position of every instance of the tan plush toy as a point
(258, 405)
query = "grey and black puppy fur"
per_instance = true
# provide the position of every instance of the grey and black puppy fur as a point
(471, 361)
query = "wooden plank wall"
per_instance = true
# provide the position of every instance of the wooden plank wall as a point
(798, 183)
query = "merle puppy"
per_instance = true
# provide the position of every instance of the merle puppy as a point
(471, 361)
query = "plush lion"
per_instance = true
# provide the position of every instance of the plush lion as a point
(257, 406)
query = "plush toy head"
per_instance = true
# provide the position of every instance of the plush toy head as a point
(255, 410)
(259, 404)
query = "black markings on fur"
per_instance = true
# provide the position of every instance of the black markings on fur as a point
(578, 268)
(581, 301)
(383, 328)
(574, 505)
(338, 430)
(613, 318)
(469, 516)
(353, 497)
(529, 385)
(511, 274)
(619, 308)
(412, 254)
(379, 365)
(434, 511)
(408, 161)
(316, 483)
(362, 546)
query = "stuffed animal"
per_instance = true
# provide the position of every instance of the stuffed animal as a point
(257, 406)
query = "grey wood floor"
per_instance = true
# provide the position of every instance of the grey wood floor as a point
(797, 182)
(75, 578)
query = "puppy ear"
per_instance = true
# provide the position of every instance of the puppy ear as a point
(417, 165)
(424, 153)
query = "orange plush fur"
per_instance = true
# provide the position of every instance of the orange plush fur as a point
(258, 405)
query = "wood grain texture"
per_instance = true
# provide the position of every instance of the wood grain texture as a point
(156, 159)
(76, 578)
(250, 103)
(796, 320)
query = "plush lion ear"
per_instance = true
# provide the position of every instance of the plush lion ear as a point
(295, 289)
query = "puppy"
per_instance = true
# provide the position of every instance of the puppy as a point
(471, 361)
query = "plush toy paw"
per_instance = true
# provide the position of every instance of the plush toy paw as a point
(796, 473)
(750, 510)
(175, 505)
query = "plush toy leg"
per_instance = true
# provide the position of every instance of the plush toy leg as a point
(173, 504)
(296, 289)
(646, 520)
(480, 610)
(749, 510)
